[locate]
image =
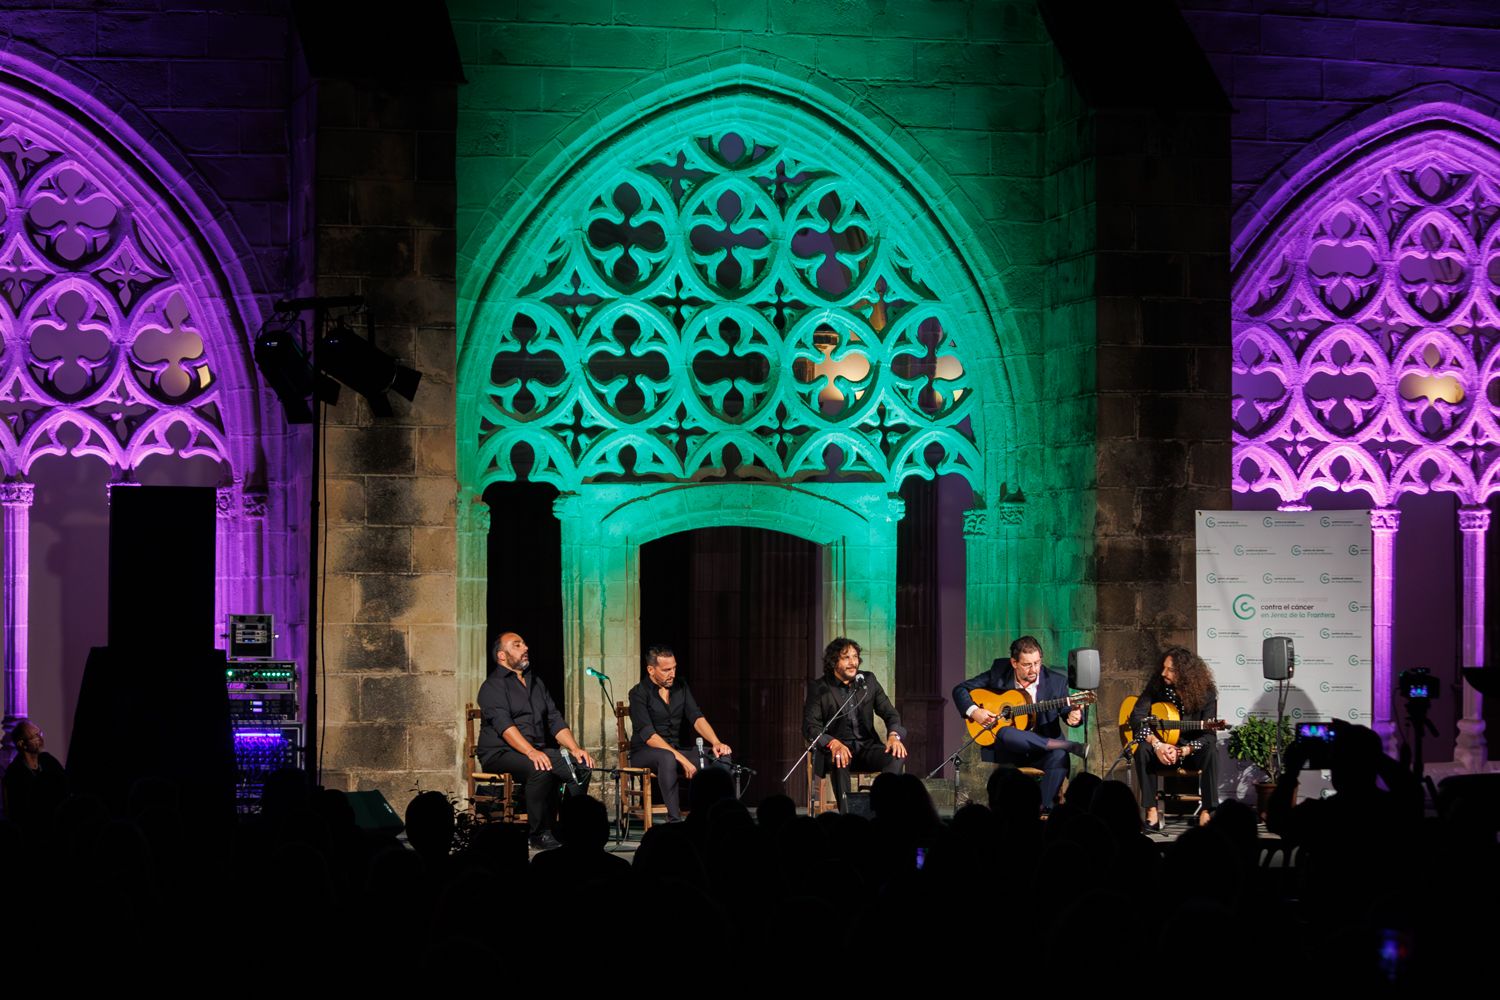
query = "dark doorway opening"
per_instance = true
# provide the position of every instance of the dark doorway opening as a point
(741, 607)
(525, 576)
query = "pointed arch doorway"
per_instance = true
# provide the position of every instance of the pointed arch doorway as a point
(741, 608)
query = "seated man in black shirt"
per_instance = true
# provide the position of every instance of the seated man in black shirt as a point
(658, 708)
(35, 783)
(522, 732)
(851, 741)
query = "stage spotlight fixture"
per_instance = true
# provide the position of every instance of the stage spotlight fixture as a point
(365, 368)
(284, 366)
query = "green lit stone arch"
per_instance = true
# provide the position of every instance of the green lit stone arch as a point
(891, 180)
(525, 232)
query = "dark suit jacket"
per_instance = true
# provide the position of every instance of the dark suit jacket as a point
(825, 695)
(1002, 677)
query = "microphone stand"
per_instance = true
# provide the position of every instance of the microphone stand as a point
(956, 759)
(857, 689)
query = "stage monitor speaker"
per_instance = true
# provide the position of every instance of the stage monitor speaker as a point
(143, 714)
(1083, 669)
(161, 567)
(1277, 658)
(373, 814)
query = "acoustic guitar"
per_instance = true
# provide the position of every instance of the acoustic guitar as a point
(1165, 721)
(1015, 708)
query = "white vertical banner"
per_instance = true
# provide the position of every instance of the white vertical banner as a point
(1302, 574)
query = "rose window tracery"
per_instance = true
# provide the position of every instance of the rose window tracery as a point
(103, 354)
(728, 307)
(1365, 331)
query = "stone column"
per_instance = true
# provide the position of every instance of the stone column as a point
(473, 586)
(16, 498)
(1384, 524)
(226, 557)
(1470, 749)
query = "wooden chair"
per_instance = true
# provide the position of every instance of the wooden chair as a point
(820, 797)
(1180, 786)
(635, 782)
(488, 793)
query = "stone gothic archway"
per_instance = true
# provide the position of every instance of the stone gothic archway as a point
(722, 305)
(123, 317)
(1366, 320)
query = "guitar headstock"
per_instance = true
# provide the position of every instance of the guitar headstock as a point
(1083, 698)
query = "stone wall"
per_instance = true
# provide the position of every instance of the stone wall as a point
(384, 210)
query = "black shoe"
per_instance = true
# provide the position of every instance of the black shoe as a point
(1079, 750)
(544, 842)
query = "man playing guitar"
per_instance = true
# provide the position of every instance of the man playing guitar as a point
(1042, 743)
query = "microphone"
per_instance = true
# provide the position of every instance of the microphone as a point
(859, 678)
(700, 753)
(597, 675)
(568, 760)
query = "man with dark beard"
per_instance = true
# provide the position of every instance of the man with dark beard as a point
(1183, 680)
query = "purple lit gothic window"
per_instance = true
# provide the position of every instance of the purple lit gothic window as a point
(1365, 329)
(102, 349)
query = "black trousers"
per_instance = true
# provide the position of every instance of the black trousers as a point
(669, 773)
(865, 757)
(1205, 761)
(540, 787)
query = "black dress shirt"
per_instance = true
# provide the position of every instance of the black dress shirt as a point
(649, 715)
(857, 723)
(504, 702)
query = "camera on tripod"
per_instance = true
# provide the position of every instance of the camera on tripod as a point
(1418, 684)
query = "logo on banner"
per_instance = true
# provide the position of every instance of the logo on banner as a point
(1265, 578)
(1323, 578)
(1324, 521)
(1355, 714)
(1355, 607)
(1265, 633)
(1240, 712)
(1357, 550)
(1323, 633)
(1267, 521)
(1239, 658)
(1244, 607)
(1239, 550)
(1269, 686)
(1210, 522)
(1213, 633)
(1358, 661)
(1296, 550)
(1296, 713)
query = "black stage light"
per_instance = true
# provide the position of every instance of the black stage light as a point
(285, 368)
(365, 368)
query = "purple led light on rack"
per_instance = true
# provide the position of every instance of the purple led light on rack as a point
(259, 736)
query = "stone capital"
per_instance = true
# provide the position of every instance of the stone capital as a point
(255, 502)
(975, 522)
(17, 494)
(1385, 519)
(1475, 519)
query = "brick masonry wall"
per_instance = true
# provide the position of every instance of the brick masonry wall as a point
(1294, 68)
(1163, 406)
(384, 211)
(212, 76)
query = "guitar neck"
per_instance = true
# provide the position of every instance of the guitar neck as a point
(1041, 706)
(1184, 725)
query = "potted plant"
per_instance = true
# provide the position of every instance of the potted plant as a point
(1256, 742)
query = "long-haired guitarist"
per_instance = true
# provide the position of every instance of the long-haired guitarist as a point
(1182, 680)
(1041, 744)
